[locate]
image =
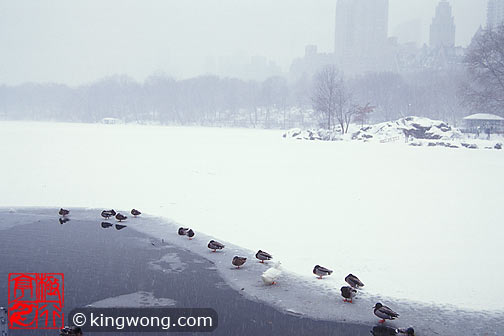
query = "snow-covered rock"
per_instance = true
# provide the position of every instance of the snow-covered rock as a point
(470, 145)
(414, 131)
(292, 133)
(311, 134)
(410, 128)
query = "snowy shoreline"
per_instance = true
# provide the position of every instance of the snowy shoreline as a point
(307, 296)
(317, 299)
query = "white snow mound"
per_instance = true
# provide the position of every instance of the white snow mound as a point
(408, 128)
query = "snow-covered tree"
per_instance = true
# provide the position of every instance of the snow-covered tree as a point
(485, 64)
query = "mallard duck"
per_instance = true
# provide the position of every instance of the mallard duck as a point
(63, 220)
(119, 226)
(383, 331)
(67, 331)
(262, 256)
(388, 331)
(108, 213)
(120, 217)
(408, 331)
(190, 234)
(105, 225)
(182, 231)
(384, 312)
(271, 275)
(239, 261)
(63, 212)
(321, 271)
(135, 212)
(353, 281)
(215, 245)
(348, 293)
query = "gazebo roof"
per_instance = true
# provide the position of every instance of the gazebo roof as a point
(483, 116)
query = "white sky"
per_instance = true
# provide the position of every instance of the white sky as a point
(78, 41)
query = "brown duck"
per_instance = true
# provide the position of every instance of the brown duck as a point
(239, 261)
(384, 312)
(321, 271)
(353, 281)
(215, 245)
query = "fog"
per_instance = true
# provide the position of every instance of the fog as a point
(382, 121)
(76, 42)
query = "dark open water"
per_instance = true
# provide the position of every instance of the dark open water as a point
(101, 263)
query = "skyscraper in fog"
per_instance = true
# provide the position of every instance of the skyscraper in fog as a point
(361, 34)
(442, 29)
(495, 13)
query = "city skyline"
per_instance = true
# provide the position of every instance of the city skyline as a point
(361, 34)
(81, 41)
(442, 29)
(495, 13)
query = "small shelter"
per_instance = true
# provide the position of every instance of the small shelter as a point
(484, 123)
(111, 121)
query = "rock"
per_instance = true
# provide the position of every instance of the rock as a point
(292, 133)
(470, 146)
(498, 146)
(410, 128)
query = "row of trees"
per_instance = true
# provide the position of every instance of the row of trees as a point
(203, 100)
(210, 100)
(327, 99)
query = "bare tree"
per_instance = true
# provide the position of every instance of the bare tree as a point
(331, 99)
(485, 65)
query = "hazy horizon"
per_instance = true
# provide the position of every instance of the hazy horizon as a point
(81, 41)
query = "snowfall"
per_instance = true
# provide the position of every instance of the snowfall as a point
(421, 226)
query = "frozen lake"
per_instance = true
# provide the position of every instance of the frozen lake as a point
(415, 224)
(108, 267)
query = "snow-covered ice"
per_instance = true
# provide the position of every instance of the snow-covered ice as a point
(416, 224)
(319, 299)
(137, 299)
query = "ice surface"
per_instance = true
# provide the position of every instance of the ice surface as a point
(416, 224)
(137, 299)
(169, 263)
(310, 297)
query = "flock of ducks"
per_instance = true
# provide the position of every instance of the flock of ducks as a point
(271, 275)
(105, 214)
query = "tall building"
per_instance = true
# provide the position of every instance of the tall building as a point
(442, 29)
(495, 13)
(361, 34)
(310, 64)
